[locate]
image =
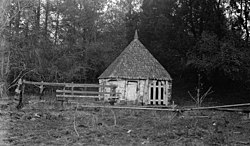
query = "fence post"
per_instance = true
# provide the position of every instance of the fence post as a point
(72, 89)
(112, 91)
(41, 90)
(63, 98)
(112, 95)
(20, 104)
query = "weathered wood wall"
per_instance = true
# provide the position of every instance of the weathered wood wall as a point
(148, 91)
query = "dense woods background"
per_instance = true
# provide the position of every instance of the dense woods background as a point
(75, 40)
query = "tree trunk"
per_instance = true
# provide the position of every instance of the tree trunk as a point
(17, 22)
(38, 14)
(57, 23)
(46, 19)
(246, 14)
(37, 31)
(191, 19)
(3, 44)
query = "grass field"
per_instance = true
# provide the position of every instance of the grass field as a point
(42, 123)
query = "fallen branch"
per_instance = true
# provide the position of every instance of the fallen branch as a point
(160, 109)
(220, 106)
(127, 107)
(242, 142)
(114, 117)
(172, 117)
(234, 110)
(13, 83)
(75, 122)
(12, 86)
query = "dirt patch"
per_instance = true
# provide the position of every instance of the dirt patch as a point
(43, 124)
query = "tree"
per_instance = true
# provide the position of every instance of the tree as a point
(222, 58)
(204, 15)
(163, 32)
(240, 17)
(53, 34)
(75, 40)
(4, 52)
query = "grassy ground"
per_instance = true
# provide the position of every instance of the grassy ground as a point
(43, 124)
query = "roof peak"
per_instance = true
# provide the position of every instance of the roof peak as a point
(136, 35)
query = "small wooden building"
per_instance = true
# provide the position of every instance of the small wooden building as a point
(139, 76)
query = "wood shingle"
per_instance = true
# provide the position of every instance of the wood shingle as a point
(136, 62)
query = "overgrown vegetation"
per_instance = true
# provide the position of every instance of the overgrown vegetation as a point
(200, 93)
(65, 40)
(41, 123)
(75, 40)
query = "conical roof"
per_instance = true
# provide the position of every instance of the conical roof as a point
(136, 62)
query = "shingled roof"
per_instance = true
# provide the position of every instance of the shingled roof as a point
(136, 62)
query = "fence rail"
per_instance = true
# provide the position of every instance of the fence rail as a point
(85, 92)
(67, 84)
(70, 90)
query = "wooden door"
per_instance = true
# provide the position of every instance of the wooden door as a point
(131, 90)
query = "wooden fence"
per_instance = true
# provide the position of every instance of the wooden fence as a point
(70, 90)
(76, 90)
(81, 91)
